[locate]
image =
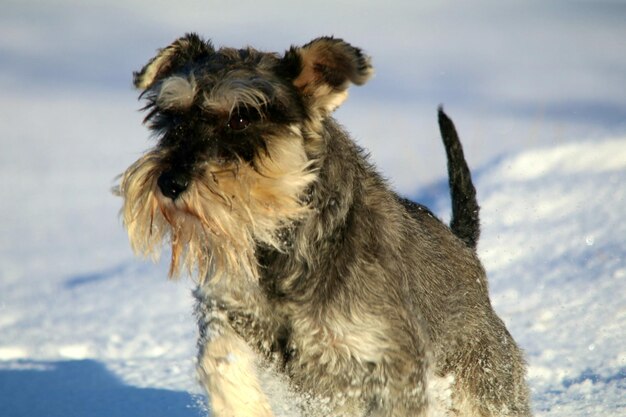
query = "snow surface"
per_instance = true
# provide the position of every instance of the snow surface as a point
(536, 90)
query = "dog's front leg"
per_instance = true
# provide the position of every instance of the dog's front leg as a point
(227, 367)
(228, 370)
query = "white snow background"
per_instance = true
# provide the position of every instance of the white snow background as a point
(537, 90)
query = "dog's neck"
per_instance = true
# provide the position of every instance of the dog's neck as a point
(338, 192)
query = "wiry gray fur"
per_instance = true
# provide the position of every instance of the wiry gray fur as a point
(367, 299)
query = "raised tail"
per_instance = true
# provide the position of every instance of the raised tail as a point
(465, 223)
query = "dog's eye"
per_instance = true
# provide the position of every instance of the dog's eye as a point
(238, 121)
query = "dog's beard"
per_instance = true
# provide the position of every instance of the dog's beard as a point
(216, 224)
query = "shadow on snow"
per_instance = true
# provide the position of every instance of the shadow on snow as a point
(84, 388)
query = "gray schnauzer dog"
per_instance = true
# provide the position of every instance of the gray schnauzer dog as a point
(306, 261)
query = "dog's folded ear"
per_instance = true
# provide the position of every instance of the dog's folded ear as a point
(323, 69)
(168, 60)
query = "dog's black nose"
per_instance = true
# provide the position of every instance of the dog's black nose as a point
(172, 184)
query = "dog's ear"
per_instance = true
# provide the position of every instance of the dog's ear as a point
(190, 47)
(323, 69)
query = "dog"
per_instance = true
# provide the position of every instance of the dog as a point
(306, 261)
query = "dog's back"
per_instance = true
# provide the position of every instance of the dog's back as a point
(383, 262)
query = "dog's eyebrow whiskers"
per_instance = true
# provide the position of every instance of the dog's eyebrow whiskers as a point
(231, 95)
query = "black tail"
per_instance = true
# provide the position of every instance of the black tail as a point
(465, 222)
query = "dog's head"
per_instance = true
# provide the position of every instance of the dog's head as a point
(238, 132)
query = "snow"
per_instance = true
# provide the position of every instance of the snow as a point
(86, 329)
(554, 247)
